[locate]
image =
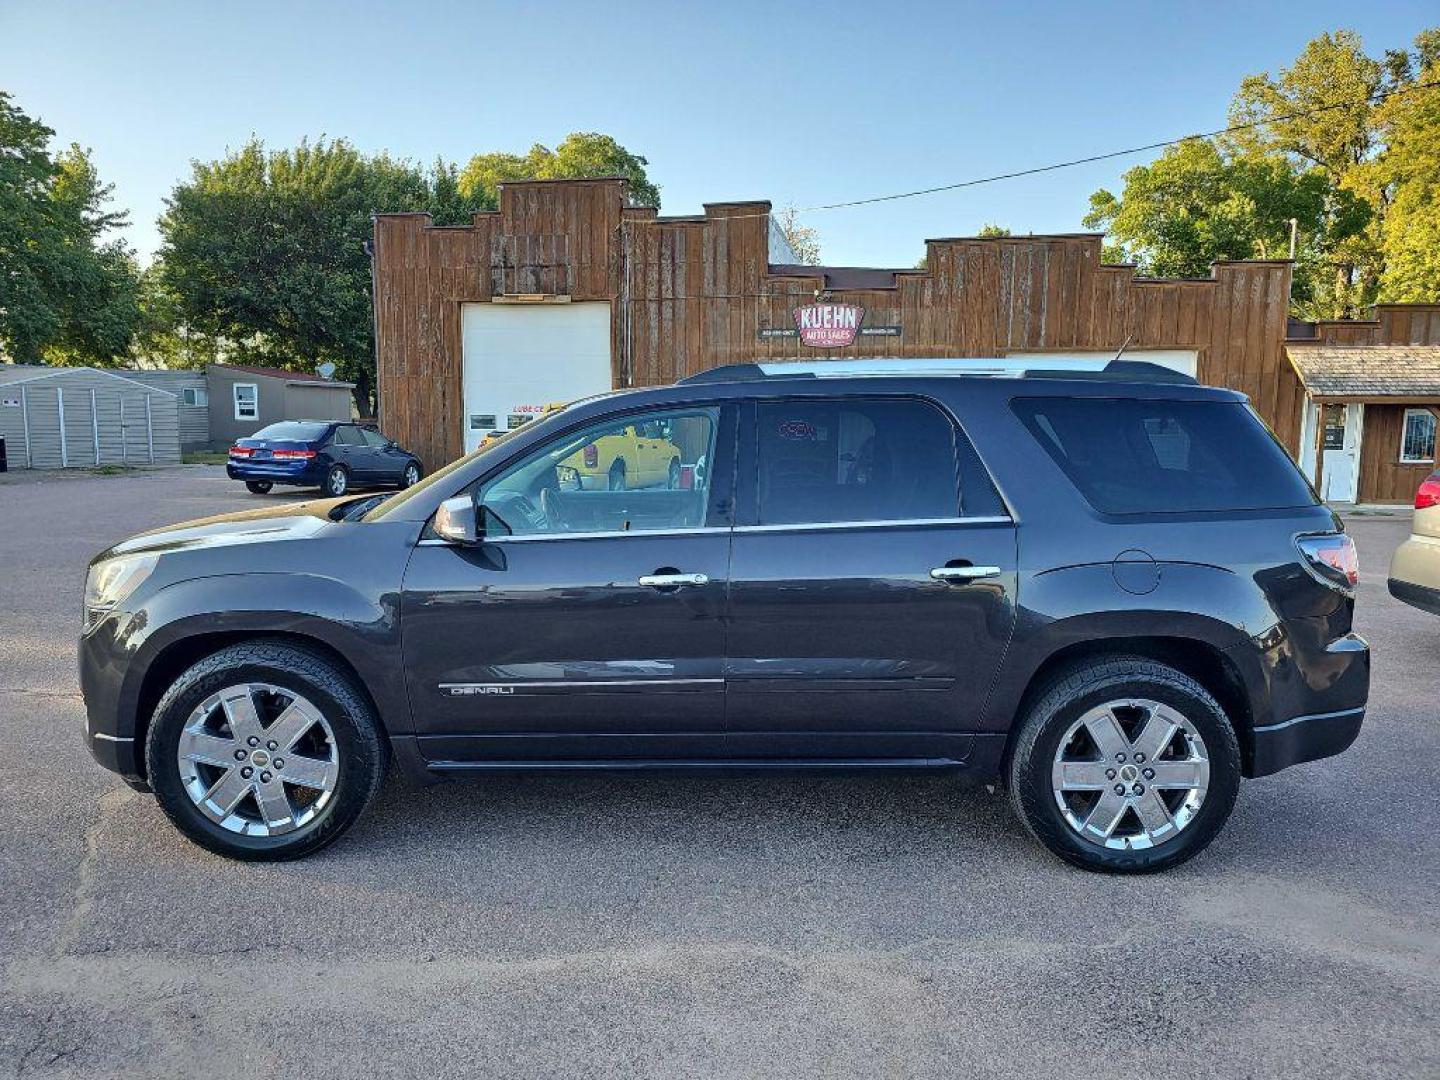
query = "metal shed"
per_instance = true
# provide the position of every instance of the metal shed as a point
(192, 388)
(63, 417)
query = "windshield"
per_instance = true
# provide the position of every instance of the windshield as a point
(292, 431)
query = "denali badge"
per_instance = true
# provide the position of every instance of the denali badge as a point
(828, 326)
(470, 689)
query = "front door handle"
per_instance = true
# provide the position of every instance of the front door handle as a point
(671, 581)
(963, 574)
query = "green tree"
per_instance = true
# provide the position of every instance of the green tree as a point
(1197, 204)
(580, 154)
(1319, 151)
(67, 295)
(1408, 173)
(263, 254)
(989, 229)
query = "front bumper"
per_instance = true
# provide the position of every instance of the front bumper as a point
(1304, 738)
(111, 741)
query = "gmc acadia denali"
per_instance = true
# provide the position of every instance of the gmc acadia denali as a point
(1112, 594)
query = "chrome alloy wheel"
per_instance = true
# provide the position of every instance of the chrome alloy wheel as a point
(258, 760)
(1130, 774)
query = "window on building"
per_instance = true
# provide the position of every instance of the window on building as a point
(247, 401)
(607, 478)
(822, 461)
(195, 395)
(1417, 437)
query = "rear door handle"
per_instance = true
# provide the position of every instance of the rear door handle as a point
(963, 574)
(670, 581)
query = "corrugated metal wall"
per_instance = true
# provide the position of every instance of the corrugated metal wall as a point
(106, 421)
(194, 419)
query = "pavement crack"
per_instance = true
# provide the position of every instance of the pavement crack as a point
(83, 898)
(39, 693)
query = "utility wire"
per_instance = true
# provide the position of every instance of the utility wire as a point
(1373, 99)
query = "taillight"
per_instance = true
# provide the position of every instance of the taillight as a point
(592, 456)
(240, 451)
(1332, 558)
(293, 455)
(1429, 493)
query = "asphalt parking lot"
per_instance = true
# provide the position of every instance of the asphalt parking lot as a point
(667, 927)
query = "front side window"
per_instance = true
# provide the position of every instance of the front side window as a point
(347, 435)
(611, 477)
(374, 438)
(247, 401)
(854, 460)
(1417, 440)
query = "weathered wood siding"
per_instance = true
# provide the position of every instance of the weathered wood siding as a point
(1408, 324)
(692, 293)
(1384, 478)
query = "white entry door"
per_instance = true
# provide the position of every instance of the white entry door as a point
(1340, 451)
(521, 357)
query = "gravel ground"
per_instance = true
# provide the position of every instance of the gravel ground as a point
(668, 926)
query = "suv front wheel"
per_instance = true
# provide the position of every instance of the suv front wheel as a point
(264, 751)
(1125, 765)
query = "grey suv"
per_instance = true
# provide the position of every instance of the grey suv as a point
(1112, 594)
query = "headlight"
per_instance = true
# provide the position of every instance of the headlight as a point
(112, 581)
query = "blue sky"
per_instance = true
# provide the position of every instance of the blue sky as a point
(799, 103)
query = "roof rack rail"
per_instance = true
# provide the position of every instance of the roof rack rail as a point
(1030, 367)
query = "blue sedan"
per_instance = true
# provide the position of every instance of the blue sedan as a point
(327, 454)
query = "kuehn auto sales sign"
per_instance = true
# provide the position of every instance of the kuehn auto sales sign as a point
(828, 326)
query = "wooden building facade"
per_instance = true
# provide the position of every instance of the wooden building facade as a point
(689, 293)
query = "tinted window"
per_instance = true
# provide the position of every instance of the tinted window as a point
(608, 478)
(293, 430)
(1140, 457)
(854, 460)
(374, 438)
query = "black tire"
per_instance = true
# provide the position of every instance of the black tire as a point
(337, 481)
(1065, 700)
(615, 480)
(412, 474)
(258, 487)
(674, 478)
(363, 752)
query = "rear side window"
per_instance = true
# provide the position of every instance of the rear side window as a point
(840, 460)
(1156, 457)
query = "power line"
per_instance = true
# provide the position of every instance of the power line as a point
(1372, 99)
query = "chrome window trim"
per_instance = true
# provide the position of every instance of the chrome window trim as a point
(658, 681)
(885, 523)
(711, 530)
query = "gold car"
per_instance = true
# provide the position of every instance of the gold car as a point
(1415, 570)
(632, 456)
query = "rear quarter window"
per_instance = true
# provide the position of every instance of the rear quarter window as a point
(1128, 456)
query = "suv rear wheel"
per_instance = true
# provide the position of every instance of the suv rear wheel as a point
(1125, 765)
(264, 751)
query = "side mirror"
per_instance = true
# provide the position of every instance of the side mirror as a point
(455, 521)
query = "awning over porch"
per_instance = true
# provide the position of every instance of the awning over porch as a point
(1371, 373)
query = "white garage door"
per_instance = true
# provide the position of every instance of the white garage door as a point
(521, 357)
(1185, 361)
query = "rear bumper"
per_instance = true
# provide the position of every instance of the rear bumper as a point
(1419, 596)
(299, 472)
(1304, 738)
